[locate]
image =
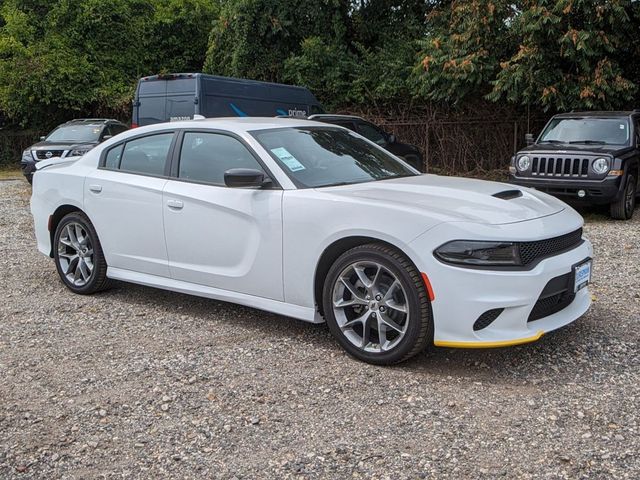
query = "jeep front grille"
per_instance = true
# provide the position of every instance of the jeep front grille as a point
(560, 167)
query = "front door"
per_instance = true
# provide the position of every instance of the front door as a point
(226, 238)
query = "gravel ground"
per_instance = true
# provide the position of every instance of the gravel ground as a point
(141, 383)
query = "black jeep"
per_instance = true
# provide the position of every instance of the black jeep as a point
(591, 157)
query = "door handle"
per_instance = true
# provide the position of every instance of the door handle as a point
(95, 188)
(175, 204)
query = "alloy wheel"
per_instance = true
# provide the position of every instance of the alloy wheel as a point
(75, 254)
(370, 306)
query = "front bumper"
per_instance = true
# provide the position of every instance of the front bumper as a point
(596, 191)
(462, 295)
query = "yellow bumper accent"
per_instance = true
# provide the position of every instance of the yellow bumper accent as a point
(501, 343)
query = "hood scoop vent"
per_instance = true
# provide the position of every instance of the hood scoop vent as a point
(508, 194)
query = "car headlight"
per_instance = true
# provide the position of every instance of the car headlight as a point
(470, 252)
(523, 163)
(26, 156)
(600, 165)
(78, 152)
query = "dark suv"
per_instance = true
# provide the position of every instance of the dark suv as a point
(70, 139)
(591, 157)
(409, 153)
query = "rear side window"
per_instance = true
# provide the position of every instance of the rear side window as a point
(112, 160)
(205, 157)
(146, 155)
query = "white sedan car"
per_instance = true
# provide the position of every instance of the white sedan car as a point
(315, 222)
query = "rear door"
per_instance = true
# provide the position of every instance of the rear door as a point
(123, 199)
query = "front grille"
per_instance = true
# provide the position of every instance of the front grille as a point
(555, 296)
(487, 318)
(560, 167)
(531, 252)
(42, 154)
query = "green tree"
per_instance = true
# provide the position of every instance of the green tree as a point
(69, 58)
(461, 53)
(553, 54)
(253, 38)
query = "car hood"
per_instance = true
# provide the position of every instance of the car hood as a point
(454, 198)
(551, 149)
(44, 145)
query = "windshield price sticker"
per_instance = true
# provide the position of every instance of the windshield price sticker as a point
(289, 160)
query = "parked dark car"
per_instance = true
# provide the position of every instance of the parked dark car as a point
(180, 96)
(588, 157)
(409, 153)
(74, 138)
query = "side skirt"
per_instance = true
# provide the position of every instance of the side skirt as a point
(296, 311)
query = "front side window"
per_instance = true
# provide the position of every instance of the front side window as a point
(147, 155)
(372, 133)
(587, 131)
(205, 157)
(326, 156)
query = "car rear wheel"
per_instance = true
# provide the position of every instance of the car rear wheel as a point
(622, 209)
(376, 305)
(78, 255)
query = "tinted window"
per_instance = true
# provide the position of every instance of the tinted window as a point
(112, 160)
(147, 155)
(325, 156)
(206, 156)
(349, 125)
(372, 133)
(116, 129)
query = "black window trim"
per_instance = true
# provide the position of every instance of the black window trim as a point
(167, 162)
(175, 158)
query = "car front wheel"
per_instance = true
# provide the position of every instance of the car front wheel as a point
(78, 255)
(376, 305)
(622, 209)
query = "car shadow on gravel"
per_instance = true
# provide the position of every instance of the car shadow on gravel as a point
(536, 362)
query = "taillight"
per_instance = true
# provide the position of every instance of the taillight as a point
(134, 125)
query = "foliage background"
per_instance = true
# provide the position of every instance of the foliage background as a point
(395, 60)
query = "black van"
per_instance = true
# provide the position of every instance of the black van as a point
(180, 96)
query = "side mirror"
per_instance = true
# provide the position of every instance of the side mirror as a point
(107, 137)
(392, 138)
(42, 138)
(528, 137)
(245, 177)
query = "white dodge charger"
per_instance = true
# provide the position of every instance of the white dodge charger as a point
(315, 222)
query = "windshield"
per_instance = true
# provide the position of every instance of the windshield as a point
(605, 131)
(325, 156)
(75, 133)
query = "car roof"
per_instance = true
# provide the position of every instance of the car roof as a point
(603, 114)
(235, 124)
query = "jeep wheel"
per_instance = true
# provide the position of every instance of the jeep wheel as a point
(622, 209)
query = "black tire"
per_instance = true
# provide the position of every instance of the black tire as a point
(97, 280)
(419, 332)
(622, 209)
(29, 178)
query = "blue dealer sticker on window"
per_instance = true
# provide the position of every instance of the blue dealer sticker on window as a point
(289, 160)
